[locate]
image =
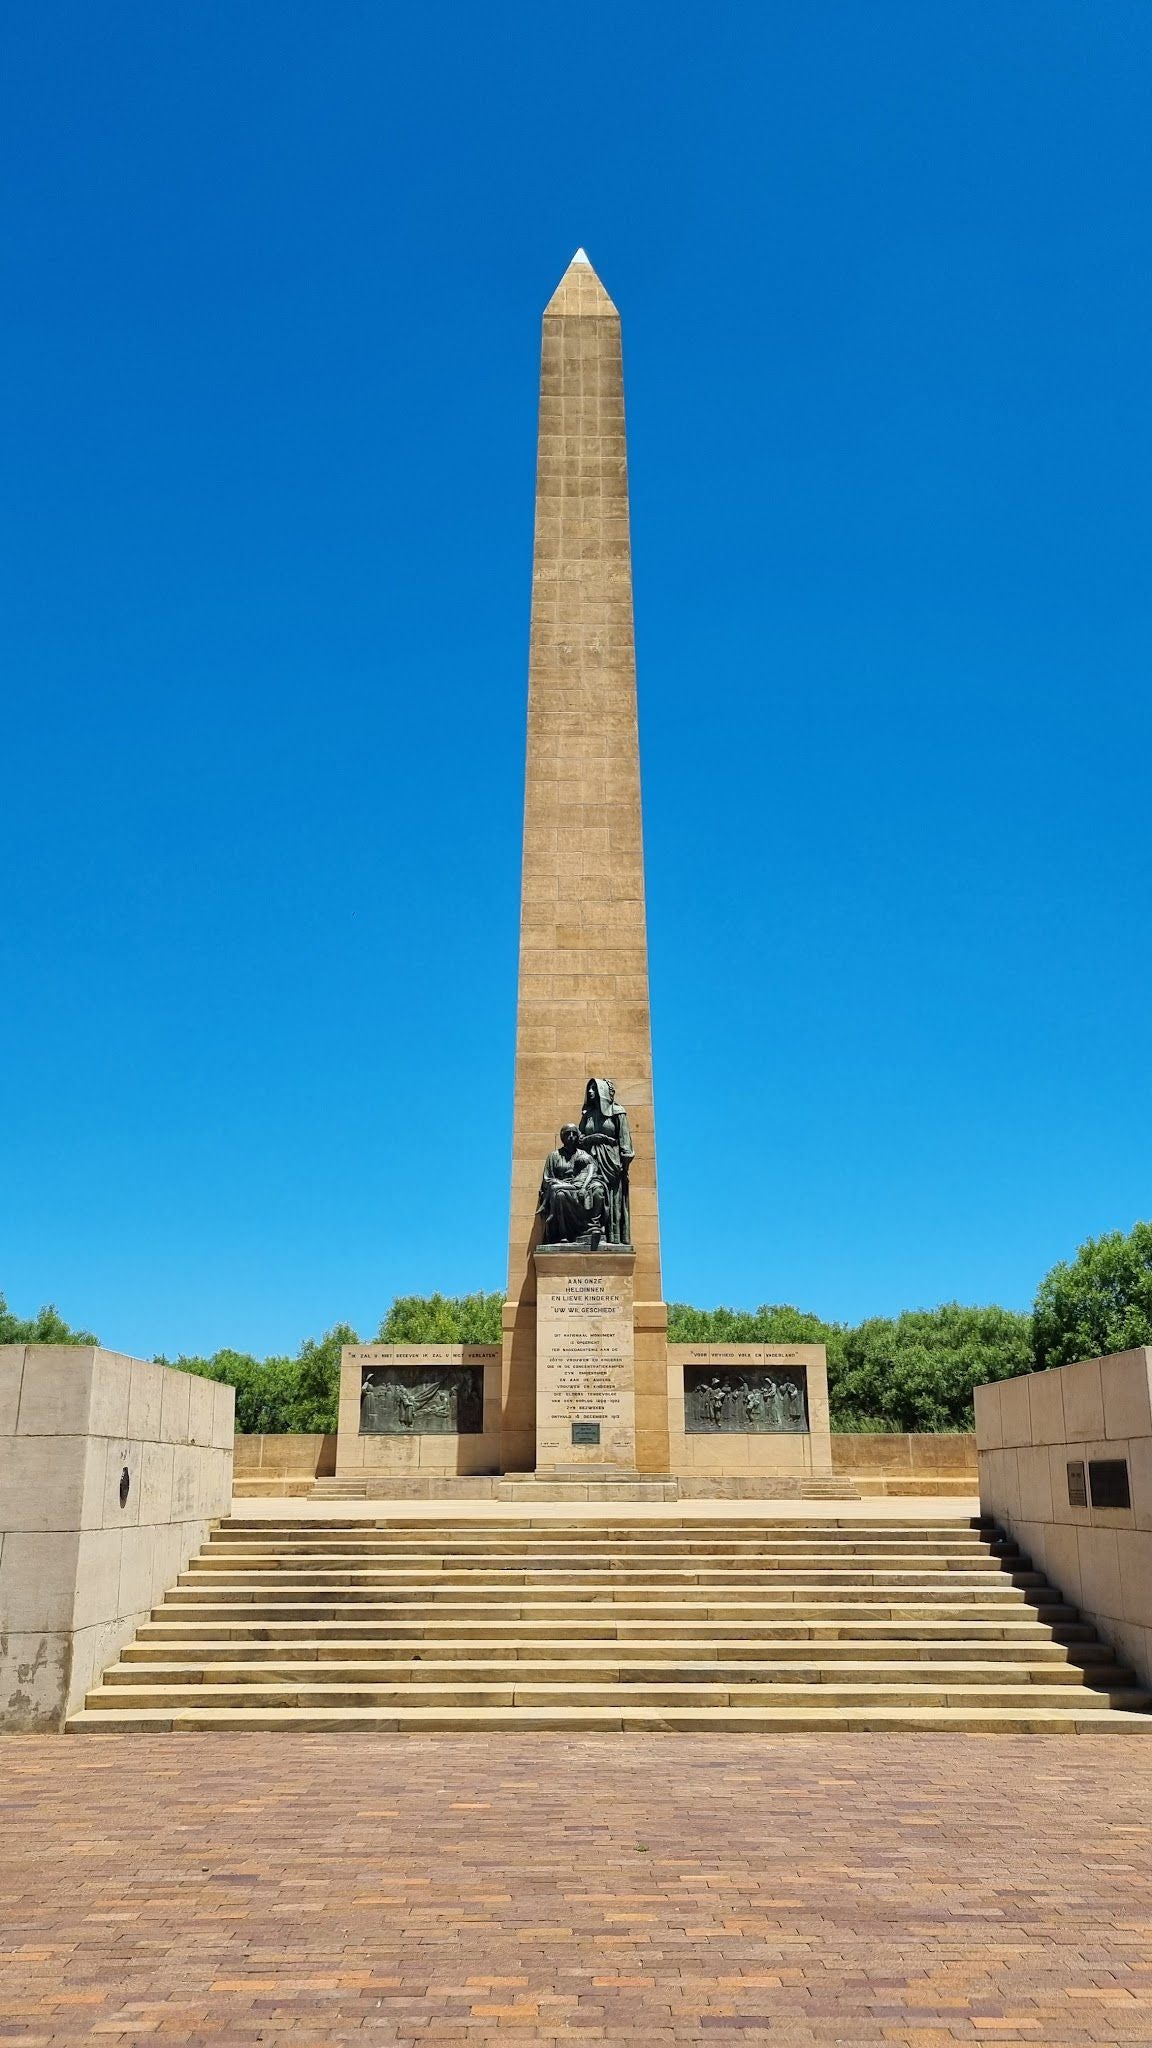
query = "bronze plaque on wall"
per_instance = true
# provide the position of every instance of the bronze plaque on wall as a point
(1108, 1482)
(753, 1400)
(398, 1400)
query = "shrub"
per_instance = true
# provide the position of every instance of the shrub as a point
(769, 1324)
(46, 1327)
(442, 1319)
(280, 1395)
(1101, 1301)
(301, 1395)
(917, 1371)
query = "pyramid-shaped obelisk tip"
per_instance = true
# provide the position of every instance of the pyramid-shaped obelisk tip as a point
(580, 290)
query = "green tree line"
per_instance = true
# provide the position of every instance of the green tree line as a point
(914, 1371)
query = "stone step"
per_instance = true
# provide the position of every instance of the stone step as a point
(193, 1588)
(445, 1616)
(767, 1720)
(532, 1492)
(1036, 1648)
(450, 1621)
(684, 1670)
(320, 1693)
(693, 1527)
(650, 1535)
(356, 1538)
(580, 1577)
(693, 1586)
(569, 1599)
(233, 1561)
(595, 1528)
(799, 1629)
(898, 1557)
(580, 1555)
(772, 1627)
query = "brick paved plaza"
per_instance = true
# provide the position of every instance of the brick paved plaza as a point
(313, 1889)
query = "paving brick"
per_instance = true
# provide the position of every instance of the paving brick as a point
(226, 1889)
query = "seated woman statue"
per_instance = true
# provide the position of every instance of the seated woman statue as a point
(571, 1205)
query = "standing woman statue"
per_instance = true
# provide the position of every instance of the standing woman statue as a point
(605, 1134)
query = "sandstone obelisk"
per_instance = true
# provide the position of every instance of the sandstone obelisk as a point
(583, 987)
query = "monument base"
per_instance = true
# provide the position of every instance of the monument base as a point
(585, 1363)
(587, 1483)
(528, 1489)
(609, 1474)
(619, 1413)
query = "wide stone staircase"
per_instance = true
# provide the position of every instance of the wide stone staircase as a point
(665, 1623)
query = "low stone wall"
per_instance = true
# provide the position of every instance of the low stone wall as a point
(112, 1470)
(285, 1457)
(271, 1465)
(1042, 1440)
(928, 1456)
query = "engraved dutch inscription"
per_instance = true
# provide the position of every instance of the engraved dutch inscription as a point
(585, 1371)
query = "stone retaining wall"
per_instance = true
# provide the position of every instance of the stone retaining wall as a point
(1049, 1444)
(284, 1457)
(924, 1456)
(112, 1470)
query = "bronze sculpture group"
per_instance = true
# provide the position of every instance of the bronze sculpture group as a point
(583, 1200)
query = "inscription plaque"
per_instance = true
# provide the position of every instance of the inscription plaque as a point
(1077, 1485)
(584, 1358)
(1108, 1482)
(755, 1400)
(398, 1400)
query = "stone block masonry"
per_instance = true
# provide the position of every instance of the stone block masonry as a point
(583, 986)
(112, 1471)
(1065, 1461)
(585, 1371)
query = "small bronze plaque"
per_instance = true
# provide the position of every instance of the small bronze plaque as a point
(1108, 1482)
(585, 1432)
(1077, 1489)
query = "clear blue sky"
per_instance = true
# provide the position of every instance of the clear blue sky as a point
(272, 281)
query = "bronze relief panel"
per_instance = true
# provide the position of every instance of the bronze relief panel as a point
(397, 1400)
(755, 1400)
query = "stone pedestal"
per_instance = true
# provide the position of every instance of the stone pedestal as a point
(585, 1365)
